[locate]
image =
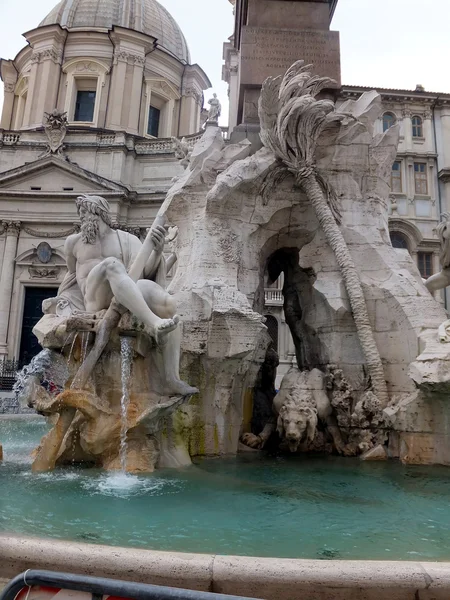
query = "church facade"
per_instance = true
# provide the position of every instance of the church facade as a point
(121, 73)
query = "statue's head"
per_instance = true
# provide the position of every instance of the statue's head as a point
(90, 210)
(443, 232)
(297, 420)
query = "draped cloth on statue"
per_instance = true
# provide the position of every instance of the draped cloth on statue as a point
(69, 289)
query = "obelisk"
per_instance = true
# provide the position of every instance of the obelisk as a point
(269, 36)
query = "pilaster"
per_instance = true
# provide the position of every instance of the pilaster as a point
(8, 105)
(9, 76)
(428, 131)
(407, 129)
(12, 229)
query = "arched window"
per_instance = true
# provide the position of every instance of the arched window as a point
(272, 326)
(398, 240)
(417, 127)
(388, 120)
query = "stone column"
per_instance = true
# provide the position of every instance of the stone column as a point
(8, 105)
(407, 129)
(118, 89)
(428, 131)
(135, 94)
(168, 118)
(32, 87)
(445, 136)
(189, 111)
(7, 281)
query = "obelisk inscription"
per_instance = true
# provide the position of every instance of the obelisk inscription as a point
(266, 52)
(271, 35)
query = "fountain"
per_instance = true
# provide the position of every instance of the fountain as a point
(311, 203)
(370, 378)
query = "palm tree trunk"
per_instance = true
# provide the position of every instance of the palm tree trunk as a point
(352, 284)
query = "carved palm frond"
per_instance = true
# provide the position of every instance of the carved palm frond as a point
(292, 120)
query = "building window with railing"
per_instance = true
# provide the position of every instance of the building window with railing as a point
(425, 264)
(389, 119)
(420, 179)
(396, 177)
(417, 127)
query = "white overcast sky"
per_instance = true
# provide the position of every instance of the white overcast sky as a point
(384, 43)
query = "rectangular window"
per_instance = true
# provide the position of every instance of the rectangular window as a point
(154, 116)
(396, 177)
(425, 264)
(420, 179)
(84, 106)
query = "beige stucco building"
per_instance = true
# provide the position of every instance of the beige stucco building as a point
(122, 73)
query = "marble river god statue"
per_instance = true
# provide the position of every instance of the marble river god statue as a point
(115, 325)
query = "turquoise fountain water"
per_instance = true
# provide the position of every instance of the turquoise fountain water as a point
(305, 507)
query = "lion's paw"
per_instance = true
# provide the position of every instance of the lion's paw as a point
(251, 440)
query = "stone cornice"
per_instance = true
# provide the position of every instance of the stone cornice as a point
(444, 175)
(52, 234)
(393, 95)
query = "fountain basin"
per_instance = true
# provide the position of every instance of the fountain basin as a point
(292, 506)
(270, 578)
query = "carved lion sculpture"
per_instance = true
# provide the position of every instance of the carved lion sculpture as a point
(299, 406)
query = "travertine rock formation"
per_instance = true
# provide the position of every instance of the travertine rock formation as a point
(253, 218)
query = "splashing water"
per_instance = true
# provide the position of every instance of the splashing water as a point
(126, 348)
(48, 367)
(71, 347)
(85, 344)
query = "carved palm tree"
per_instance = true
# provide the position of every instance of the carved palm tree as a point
(292, 120)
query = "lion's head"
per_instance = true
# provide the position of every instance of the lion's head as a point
(297, 420)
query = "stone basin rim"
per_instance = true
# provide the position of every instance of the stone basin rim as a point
(269, 578)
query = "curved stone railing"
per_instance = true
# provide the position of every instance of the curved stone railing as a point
(269, 578)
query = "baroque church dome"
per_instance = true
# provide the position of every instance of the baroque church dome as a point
(146, 16)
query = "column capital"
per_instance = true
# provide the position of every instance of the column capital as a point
(11, 228)
(129, 57)
(406, 113)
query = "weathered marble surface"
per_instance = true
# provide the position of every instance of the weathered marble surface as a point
(229, 235)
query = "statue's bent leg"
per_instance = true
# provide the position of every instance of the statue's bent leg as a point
(158, 300)
(127, 293)
(164, 305)
(438, 281)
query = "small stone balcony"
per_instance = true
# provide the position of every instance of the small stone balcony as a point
(273, 297)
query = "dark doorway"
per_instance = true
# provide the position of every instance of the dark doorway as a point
(32, 312)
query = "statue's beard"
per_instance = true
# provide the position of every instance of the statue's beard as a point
(89, 229)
